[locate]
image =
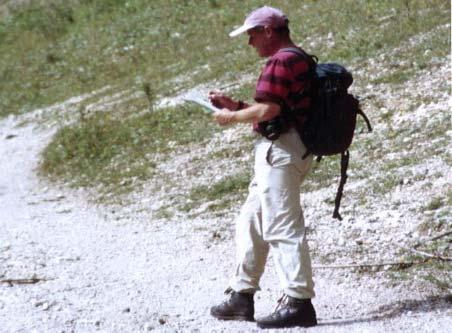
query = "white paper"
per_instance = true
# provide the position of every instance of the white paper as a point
(200, 100)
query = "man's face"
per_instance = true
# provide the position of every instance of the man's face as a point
(259, 39)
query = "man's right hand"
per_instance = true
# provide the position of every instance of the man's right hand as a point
(218, 99)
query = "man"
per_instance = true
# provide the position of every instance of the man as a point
(271, 217)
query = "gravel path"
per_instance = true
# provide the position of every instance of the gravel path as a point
(99, 271)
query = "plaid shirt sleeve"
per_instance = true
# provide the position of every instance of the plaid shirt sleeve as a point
(283, 78)
(274, 83)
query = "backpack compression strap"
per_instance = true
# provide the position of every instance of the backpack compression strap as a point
(362, 114)
(345, 156)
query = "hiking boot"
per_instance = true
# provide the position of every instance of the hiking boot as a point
(290, 312)
(240, 306)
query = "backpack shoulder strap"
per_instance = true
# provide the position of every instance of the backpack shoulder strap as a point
(300, 52)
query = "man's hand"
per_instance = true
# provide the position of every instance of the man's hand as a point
(255, 113)
(218, 99)
(224, 117)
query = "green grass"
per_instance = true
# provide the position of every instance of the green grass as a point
(230, 153)
(432, 270)
(323, 173)
(397, 77)
(418, 56)
(65, 48)
(434, 204)
(106, 150)
(226, 192)
(218, 190)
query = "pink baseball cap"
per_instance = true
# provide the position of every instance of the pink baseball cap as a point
(263, 16)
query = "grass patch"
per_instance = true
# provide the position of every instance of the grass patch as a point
(418, 56)
(66, 48)
(229, 185)
(164, 213)
(116, 153)
(229, 153)
(396, 77)
(229, 190)
(323, 173)
(434, 204)
(384, 184)
(433, 271)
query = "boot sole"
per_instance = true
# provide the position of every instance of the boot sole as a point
(237, 317)
(305, 325)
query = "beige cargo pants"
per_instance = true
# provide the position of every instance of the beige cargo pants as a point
(272, 218)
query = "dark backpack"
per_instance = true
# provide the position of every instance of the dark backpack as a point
(331, 119)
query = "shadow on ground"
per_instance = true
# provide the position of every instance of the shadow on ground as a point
(396, 309)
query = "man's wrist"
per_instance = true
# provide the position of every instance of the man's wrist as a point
(240, 105)
(233, 117)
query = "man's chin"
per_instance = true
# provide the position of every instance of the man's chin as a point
(261, 54)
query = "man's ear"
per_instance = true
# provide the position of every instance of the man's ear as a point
(268, 31)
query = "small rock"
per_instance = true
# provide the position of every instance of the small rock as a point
(126, 310)
(5, 247)
(63, 210)
(341, 242)
(162, 321)
(148, 327)
(10, 136)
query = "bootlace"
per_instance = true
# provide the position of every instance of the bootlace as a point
(283, 299)
(228, 291)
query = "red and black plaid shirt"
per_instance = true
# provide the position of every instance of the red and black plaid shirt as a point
(283, 80)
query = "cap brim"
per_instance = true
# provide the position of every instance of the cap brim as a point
(241, 30)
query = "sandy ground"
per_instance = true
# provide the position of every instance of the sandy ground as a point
(99, 271)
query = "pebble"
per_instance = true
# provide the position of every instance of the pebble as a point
(63, 210)
(148, 327)
(5, 247)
